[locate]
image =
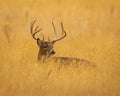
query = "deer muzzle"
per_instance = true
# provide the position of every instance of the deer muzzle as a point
(52, 52)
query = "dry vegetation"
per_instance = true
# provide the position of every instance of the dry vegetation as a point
(93, 29)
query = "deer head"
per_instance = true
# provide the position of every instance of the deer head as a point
(45, 47)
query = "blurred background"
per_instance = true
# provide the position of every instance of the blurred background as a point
(93, 33)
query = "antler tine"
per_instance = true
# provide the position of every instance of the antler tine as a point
(63, 34)
(33, 35)
(36, 30)
(63, 31)
(31, 27)
(54, 30)
(48, 38)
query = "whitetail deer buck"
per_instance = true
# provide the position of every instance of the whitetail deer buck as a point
(46, 47)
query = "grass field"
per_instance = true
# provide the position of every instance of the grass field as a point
(93, 33)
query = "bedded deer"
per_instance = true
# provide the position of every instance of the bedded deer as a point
(46, 47)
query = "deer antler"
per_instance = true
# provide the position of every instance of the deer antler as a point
(63, 33)
(34, 31)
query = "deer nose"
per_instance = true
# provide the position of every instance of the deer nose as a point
(52, 52)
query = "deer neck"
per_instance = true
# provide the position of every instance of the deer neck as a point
(42, 55)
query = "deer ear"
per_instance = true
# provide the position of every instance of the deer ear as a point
(39, 42)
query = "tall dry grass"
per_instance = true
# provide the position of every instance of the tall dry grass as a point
(93, 33)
